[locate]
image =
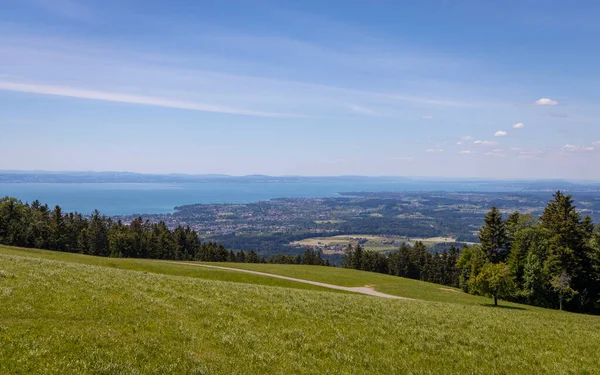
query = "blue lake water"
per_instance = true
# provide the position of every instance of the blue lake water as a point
(145, 198)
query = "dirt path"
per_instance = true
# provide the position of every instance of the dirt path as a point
(361, 289)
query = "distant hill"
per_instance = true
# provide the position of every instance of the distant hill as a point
(131, 177)
(444, 183)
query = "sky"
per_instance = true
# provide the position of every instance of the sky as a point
(492, 89)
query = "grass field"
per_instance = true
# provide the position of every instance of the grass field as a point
(375, 243)
(155, 266)
(393, 285)
(432, 241)
(70, 317)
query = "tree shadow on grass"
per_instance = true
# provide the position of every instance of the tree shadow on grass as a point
(501, 306)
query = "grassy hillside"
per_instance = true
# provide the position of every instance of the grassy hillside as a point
(157, 266)
(393, 285)
(61, 316)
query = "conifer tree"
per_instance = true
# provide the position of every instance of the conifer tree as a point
(357, 259)
(492, 237)
(348, 256)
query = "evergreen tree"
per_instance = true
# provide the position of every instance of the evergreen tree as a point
(357, 259)
(568, 252)
(97, 235)
(252, 257)
(58, 230)
(348, 257)
(492, 237)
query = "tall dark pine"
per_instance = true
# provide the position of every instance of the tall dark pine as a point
(568, 252)
(97, 235)
(492, 237)
(348, 257)
(58, 230)
(357, 261)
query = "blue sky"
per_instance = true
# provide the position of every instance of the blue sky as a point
(506, 89)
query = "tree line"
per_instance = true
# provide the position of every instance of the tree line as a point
(35, 225)
(549, 261)
(414, 262)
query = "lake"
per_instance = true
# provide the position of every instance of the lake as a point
(146, 198)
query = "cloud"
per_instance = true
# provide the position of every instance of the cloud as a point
(434, 151)
(466, 138)
(466, 152)
(545, 101)
(529, 152)
(131, 99)
(362, 110)
(408, 159)
(214, 75)
(427, 117)
(574, 148)
(486, 143)
(597, 143)
(518, 125)
(459, 143)
(500, 133)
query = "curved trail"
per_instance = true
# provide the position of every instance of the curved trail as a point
(361, 289)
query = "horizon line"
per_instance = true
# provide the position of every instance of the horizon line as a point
(223, 175)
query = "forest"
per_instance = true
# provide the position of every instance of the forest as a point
(549, 261)
(35, 225)
(413, 262)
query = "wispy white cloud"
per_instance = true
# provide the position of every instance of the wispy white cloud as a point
(201, 82)
(466, 138)
(575, 148)
(518, 125)
(500, 133)
(434, 150)
(408, 159)
(362, 110)
(466, 152)
(459, 143)
(529, 152)
(131, 99)
(486, 143)
(427, 117)
(545, 101)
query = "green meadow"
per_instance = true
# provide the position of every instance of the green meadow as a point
(393, 285)
(73, 314)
